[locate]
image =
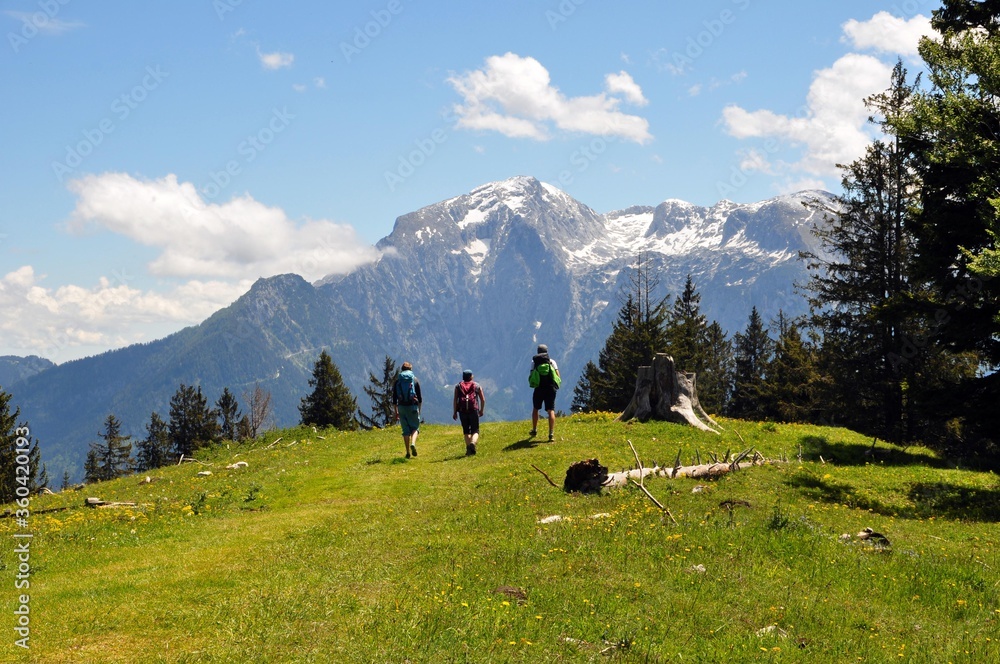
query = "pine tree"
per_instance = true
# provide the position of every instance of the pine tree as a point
(330, 403)
(635, 338)
(583, 394)
(112, 455)
(91, 468)
(715, 382)
(229, 414)
(154, 449)
(752, 352)
(192, 423)
(861, 290)
(379, 390)
(16, 442)
(951, 132)
(687, 330)
(66, 482)
(791, 387)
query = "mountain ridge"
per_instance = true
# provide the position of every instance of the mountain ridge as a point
(475, 281)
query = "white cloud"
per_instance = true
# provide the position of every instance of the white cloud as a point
(210, 254)
(514, 95)
(66, 322)
(45, 24)
(275, 60)
(240, 239)
(319, 82)
(833, 125)
(298, 87)
(755, 161)
(623, 83)
(888, 34)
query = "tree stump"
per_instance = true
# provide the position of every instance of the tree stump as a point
(663, 393)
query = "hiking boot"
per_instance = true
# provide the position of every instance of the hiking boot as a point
(551, 437)
(407, 455)
(413, 450)
(532, 433)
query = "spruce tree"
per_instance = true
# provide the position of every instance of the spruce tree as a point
(16, 443)
(330, 404)
(91, 467)
(751, 354)
(228, 410)
(636, 336)
(862, 287)
(379, 390)
(192, 423)
(687, 330)
(791, 387)
(951, 132)
(715, 382)
(583, 393)
(154, 450)
(112, 455)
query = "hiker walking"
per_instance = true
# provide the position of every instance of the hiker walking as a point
(544, 377)
(406, 402)
(468, 403)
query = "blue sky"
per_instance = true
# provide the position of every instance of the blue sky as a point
(161, 156)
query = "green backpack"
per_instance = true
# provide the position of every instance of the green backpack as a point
(543, 373)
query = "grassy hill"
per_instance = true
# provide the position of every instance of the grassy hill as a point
(331, 547)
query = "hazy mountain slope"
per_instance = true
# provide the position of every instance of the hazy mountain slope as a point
(14, 368)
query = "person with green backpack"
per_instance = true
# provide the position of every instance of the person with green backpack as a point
(545, 379)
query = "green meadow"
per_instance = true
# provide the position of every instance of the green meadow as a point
(332, 547)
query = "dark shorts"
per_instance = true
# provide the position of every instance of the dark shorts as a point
(544, 395)
(409, 419)
(470, 422)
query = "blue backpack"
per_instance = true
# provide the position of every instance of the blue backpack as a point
(406, 391)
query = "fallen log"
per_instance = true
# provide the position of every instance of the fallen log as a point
(699, 472)
(97, 502)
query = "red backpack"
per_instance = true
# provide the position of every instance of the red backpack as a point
(468, 400)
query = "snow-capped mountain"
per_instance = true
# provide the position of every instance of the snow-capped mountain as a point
(478, 280)
(475, 281)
